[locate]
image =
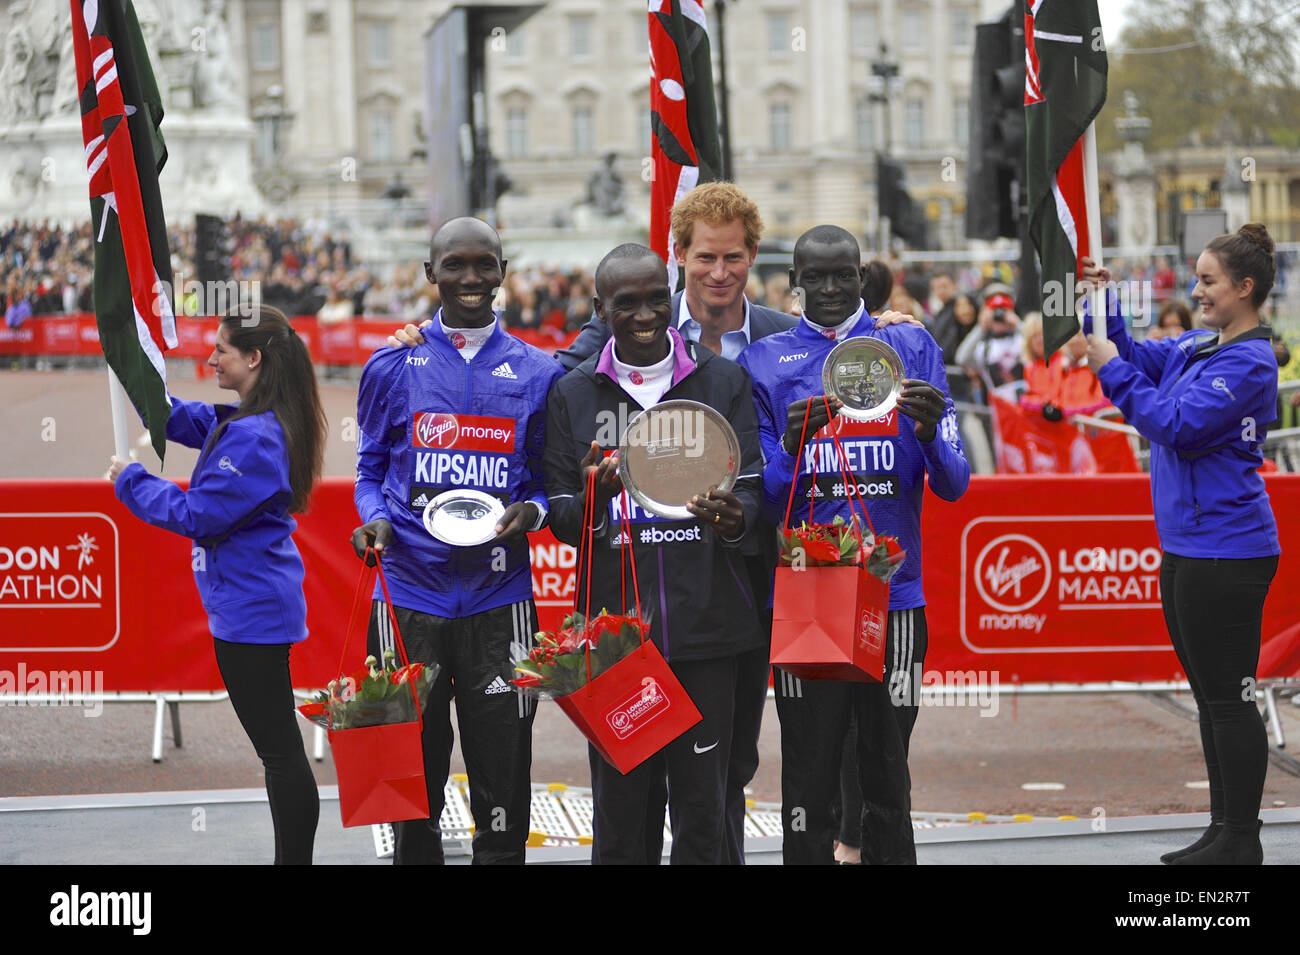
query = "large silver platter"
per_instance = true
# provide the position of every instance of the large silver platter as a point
(463, 517)
(675, 450)
(866, 375)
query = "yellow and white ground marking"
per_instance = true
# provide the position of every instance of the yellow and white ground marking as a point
(561, 816)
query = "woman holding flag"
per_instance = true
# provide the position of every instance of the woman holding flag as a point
(1205, 401)
(258, 463)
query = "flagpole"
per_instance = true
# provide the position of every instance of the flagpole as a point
(117, 402)
(1092, 203)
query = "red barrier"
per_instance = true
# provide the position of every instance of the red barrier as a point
(344, 343)
(1056, 578)
(1027, 443)
(1044, 579)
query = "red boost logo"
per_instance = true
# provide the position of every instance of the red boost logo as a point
(440, 430)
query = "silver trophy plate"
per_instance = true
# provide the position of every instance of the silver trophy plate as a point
(463, 517)
(866, 375)
(675, 450)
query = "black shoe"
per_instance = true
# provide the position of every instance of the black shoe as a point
(1233, 847)
(1208, 836)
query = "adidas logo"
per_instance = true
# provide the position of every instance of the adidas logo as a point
(618, 541)
(504, 370)
(498, 685)
(421, 501)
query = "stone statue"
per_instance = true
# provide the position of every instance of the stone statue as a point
(215, 84)
(17, 94)
(605, 189)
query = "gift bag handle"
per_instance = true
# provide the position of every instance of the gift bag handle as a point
(587, 543)
(841, 459)
(365, 586)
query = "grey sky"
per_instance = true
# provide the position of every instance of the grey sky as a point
(1114, 14)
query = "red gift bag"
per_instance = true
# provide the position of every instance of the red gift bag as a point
(380, 768)
(828, 623)
(637, 706)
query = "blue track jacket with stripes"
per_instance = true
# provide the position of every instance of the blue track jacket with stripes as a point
(885, 456)
(431, 421)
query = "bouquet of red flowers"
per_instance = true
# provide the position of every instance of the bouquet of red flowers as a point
(558, 664)
(820, 545)
(373, 696)
(836, 545)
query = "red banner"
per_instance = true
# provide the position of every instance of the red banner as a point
(1027, 443)
(1042, 579)
(1055, 578)
(345, 343)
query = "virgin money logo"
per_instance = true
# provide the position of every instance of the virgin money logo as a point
(1012, 573)
(441, 430)
(847, 427)
(434, 430)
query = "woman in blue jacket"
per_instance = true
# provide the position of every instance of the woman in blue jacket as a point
(258, 462)
(1205, 400)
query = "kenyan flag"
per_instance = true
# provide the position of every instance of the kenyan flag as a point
(684, 120)
(1065, 87)
(120, 114)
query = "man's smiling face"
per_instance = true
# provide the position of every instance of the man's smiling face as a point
(633, 298)
(830, 275)
(467, 267)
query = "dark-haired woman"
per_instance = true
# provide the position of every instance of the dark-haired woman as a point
(258, 462)
(1174, 319)
(1205, 400)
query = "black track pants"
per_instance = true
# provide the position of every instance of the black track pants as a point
(476, 654)
(1213, 610)
(257, 678)
(814, 718)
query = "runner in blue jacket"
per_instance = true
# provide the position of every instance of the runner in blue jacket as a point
(466, 409)
(889, 460)
(258, 462)
(1205, 401)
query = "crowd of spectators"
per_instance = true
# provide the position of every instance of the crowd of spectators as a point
(45, 269)
(303, 268)
(300, 267)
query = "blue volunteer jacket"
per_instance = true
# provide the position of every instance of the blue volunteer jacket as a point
(889, 462)
(1206, 408)
(429, 422)
(236, 511)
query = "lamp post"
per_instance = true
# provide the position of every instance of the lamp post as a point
(724, 108)
(885, 71)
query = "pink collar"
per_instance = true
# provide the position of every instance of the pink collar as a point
(683, 365)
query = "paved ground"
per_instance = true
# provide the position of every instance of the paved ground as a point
(1122, 755)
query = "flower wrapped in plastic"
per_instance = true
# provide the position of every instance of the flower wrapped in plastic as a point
(373, 696)
(885, 557)
(837, 545)
(579, 651)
